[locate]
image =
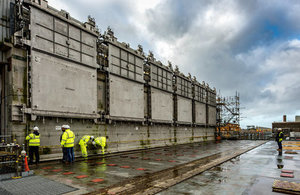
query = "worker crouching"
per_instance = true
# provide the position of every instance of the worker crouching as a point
(34, 145)
(83, 144)
(67, 142)
(101, 141)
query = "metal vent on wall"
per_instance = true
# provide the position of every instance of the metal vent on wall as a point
(17, 113)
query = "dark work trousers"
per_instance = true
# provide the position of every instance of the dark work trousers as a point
(34, 150)
(70, 154)
(279, 148)
(64, 151)
(279, 145)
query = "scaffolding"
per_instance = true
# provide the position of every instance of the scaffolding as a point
(228, 115)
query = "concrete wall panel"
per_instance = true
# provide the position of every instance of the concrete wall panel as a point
(199, 92)
(125, 63)
(161, 105)
(184, 86)
(161, 77)
(126, 98)
(122, 136)
(212, 115)
(61, 86)
(61, 27)
(184, 135)
(184, 109)
(51, 34)
(160, 135)
(200, 113)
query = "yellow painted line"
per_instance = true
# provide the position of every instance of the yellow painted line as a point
(291, 144)
(291, 148)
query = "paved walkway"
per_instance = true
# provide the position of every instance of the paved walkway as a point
(251, 173)
(94, 174)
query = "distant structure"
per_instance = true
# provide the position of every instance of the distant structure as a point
(228, 117)
(228, 109)
(287, 126)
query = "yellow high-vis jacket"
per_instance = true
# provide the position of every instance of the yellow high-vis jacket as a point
(84, 140)
(101, 141)
(67, 139)
(34, 140)
(280, 137)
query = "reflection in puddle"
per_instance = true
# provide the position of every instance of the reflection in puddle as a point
(279, 160)
(279, 163)
(280, 166)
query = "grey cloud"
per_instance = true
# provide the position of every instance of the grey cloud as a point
(265, 21)
(173, 18)
(268, 21)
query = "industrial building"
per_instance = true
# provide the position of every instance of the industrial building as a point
(56, 70)
(290, 128)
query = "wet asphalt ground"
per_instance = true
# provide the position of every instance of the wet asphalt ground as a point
(251, 173)
(94, 174)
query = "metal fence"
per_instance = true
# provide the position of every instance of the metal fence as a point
(247, 136)
(8, 158)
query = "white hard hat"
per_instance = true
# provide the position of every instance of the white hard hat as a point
(279, 129)
(35, 128)
(23, 153)
(93, 143)
(92, 137)
(65, 127)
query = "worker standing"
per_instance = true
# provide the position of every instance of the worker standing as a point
(101, 141)
(279, 138)
(34, 144)
(64, 159)
(67, 141)
(83, 144)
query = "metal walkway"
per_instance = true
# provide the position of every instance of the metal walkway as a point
(33, 185)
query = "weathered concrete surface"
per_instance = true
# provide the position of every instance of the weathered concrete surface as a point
(162, 180)
(142, 165)
(251, 173)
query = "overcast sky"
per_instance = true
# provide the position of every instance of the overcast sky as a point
(252, 46)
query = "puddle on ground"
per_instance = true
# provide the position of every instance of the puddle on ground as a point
(280, 164)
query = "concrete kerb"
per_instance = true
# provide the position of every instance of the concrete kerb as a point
(159, 181)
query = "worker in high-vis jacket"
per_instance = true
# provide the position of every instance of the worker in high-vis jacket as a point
(34, 145)
(101, 141)
(83, 144)
(279, 138)
(67, 142)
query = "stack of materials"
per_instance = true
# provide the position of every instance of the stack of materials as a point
(286, 187)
